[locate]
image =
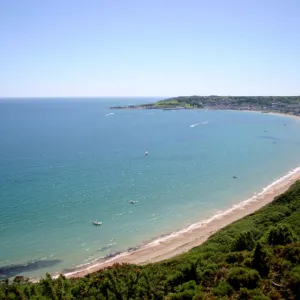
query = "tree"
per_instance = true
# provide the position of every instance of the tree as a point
(242, 277)
(244, 241)
(260, 260)
(281, 234)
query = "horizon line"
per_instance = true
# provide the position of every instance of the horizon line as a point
(211, 95)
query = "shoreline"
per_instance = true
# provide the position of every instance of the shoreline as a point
(179, 242)
(175, 243)
(274, 113)
(271, 112)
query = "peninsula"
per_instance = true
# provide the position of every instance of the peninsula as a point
(278, 104)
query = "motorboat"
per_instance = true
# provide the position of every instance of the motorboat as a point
(97, 223)
(146, 153)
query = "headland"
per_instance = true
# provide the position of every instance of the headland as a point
(288, 105)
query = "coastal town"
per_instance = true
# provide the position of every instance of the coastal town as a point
(279, 104)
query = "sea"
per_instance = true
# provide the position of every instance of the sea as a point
(67, 162)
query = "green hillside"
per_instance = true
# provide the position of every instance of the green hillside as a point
(257, 257)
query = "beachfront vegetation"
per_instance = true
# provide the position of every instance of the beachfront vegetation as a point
(257, 257)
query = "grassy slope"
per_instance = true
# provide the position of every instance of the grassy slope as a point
(257, 257)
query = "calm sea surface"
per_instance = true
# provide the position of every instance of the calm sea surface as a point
(67, 162)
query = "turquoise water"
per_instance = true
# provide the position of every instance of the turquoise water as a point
(65, 163)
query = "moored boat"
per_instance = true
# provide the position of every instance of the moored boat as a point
(97, 223)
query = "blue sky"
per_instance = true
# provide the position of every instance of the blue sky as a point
(149, 48)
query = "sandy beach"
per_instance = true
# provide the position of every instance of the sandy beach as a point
(183, 240)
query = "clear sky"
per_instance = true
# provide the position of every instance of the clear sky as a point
(149, 48)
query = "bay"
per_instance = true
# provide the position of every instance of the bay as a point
(67, 162)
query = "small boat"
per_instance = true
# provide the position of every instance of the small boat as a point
(97, 223)
(132, 202)
(234, 177)
(146, 153)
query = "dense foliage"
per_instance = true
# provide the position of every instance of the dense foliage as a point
(257, 257)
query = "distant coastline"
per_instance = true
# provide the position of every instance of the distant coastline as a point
(289, 105)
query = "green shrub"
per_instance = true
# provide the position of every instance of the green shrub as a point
(185, 295)
(199, 295)
(221, 241)
(292, 253)
(251, 294)
(260, 260)
(294, 281)
(185, 291)
(235, 257)
(223, 289)
(244, 241)
(242, 277)
(190, 285)
(281, 235)
(248, 262)
(206, 273)
(175, 279)
(286, 264)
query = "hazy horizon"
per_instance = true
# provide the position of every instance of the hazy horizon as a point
(128, 96)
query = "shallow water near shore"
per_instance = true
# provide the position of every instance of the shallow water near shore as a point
(65, 163)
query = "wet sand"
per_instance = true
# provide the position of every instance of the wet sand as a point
(182, 241)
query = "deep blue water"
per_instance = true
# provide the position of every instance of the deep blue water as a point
(65, 163)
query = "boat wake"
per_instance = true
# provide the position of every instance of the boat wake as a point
(197, 124)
